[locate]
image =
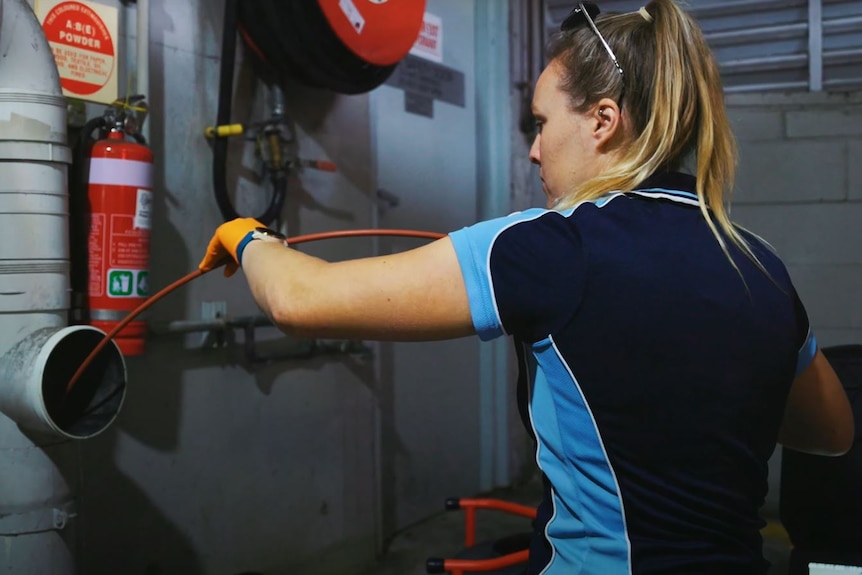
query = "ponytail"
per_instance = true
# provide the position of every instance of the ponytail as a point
(674, 103)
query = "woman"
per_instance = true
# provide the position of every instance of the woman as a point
(663, 351)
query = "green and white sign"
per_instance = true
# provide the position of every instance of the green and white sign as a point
(142, 284)
(128, 283)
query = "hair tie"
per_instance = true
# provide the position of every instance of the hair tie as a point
(646, 15)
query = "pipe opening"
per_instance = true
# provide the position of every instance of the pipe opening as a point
(95, 400)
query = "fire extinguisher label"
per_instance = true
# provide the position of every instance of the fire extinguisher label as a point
(143, 209)
(128, 283)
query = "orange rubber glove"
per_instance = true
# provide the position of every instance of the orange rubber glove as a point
(225, 242)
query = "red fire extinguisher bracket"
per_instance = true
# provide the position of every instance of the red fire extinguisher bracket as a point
(381, 32)
(120, 194)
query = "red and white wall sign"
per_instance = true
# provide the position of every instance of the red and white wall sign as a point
(83, 38)
(429, 45)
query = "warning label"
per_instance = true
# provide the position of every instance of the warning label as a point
(81, 37)
(129, 247)
(429, 44)
(96, 254)
(118, 257)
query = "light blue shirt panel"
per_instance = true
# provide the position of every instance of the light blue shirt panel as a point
(806, 353)
(587, 530)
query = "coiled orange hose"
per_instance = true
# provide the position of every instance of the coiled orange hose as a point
(198, 273)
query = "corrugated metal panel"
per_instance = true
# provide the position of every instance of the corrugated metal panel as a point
(842, 44)
(764, 45)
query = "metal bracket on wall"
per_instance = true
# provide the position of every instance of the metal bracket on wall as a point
(37, 520)
(214, 311)
(304, 349)
(386, 200)
(219, 332)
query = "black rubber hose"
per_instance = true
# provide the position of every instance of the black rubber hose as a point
(279, 193)
(348, 73)
(261, 28)
(225, 104)
(296, 38)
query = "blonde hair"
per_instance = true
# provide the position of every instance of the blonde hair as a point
(674, 100)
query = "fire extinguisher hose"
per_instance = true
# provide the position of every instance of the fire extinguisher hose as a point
(198, 273)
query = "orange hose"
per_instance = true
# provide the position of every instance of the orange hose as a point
(132, 315)
(198, 273)
(360, 233)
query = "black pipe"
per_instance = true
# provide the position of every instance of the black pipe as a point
(220, 145)
(225, 102)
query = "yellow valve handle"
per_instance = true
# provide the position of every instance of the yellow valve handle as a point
(224, 131)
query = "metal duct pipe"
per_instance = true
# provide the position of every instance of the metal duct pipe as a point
(38, 352)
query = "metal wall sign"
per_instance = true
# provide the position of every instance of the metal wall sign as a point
(424, 82)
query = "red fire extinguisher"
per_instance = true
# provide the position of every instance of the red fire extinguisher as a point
(120, 192)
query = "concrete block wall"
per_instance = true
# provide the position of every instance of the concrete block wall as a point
(799, 186)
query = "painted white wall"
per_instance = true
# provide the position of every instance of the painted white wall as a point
(216, 467)
(300, 466)
(430, 164)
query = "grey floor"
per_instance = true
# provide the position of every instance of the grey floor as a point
(442, 536)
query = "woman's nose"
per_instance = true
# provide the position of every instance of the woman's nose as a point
(534, 152)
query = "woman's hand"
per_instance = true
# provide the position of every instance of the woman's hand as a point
(229, 238)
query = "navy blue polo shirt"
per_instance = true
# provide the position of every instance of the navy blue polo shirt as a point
(653, 376)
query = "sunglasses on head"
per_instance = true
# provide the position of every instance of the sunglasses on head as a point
(584, 14)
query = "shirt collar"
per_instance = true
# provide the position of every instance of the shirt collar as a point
(668, 182)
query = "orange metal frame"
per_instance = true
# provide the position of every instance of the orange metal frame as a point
(461, 566)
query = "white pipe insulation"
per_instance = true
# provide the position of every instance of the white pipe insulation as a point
(39, 352)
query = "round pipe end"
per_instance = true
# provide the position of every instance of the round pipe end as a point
(37, 372)
(95, 401)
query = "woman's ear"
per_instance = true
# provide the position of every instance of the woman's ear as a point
(608, 122)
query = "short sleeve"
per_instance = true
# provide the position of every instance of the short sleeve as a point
(808, 345)
(525, 273)
(806, 353)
